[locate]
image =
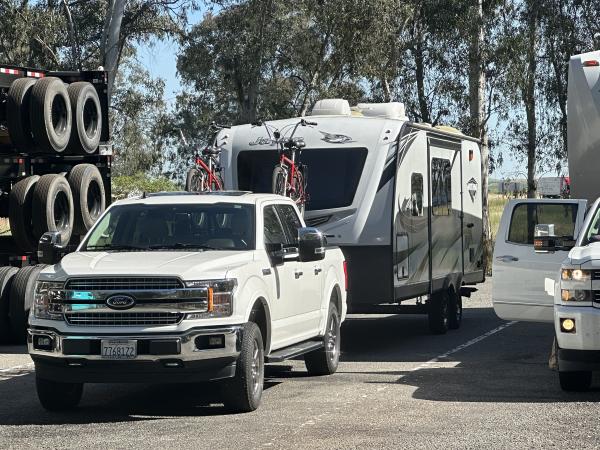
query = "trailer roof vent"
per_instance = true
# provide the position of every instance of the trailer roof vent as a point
(392, 110)
(331, 107)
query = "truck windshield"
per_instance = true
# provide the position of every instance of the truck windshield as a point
(592, 234)
(221, 226)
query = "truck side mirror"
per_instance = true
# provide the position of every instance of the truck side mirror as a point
(545, 241)
(311, 244)
(49, 248)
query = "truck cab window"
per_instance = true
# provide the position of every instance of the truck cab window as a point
(527, 215)
(291, 222)
(441, 187)
(416, 194)
(274, 233)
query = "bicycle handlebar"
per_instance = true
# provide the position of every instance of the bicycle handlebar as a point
(308, 122)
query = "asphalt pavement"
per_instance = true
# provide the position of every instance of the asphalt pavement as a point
(485, 385)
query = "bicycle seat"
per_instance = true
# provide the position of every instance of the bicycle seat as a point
(211, 151)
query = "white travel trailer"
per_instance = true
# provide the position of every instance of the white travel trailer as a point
(402, 199)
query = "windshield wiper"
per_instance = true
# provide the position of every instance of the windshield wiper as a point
(114, 247)
(179, 245)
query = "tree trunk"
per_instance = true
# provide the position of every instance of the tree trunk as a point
(112, 41)
(385, 87)
(420, 78)
(529, 97)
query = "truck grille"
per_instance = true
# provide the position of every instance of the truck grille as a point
(123, 319)
(596, 275)
(123, 284)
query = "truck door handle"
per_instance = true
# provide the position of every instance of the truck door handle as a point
(298, 274)
(507, 258)
(318, 270)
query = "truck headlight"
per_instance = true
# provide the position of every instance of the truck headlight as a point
(576, 295)
(48, 300)
(219, 297)
(576, 275)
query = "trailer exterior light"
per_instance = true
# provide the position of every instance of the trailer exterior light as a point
(591, 63)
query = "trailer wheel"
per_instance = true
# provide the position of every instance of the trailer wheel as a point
(53, 207)
(87, 117)
(88, 196)
(21, 299)
(50, 115)
(20, 213)
(575, 381)
(6, 278)
(438, 312)
(455, 312)
(17, 113)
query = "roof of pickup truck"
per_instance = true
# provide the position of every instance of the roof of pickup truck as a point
(202, 197)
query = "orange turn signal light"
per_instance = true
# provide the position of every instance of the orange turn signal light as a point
(211, 304)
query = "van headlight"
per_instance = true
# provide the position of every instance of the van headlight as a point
(48, 300)
(219, 297)
(575, 275)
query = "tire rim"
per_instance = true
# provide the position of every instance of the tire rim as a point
(256, 369)
(94, 200)
(332, 345)
(445, 310)
(61, 211)
(90, 118)
(458, 311)
(59, 115)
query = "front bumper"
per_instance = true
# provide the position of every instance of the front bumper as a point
(578, 350)
(161, 357)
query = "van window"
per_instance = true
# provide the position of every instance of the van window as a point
(333, 174)
(526, 216)
(416, 194)
(441, 187)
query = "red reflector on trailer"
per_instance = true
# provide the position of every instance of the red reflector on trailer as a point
(471, 155)
(9, 71)
(21, 161)
(35, 74)
(23, 258)
(591, 63)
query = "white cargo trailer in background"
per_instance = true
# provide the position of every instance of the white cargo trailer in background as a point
(553, 187)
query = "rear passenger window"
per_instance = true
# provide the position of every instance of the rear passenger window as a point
(526, 216)
(291, 222)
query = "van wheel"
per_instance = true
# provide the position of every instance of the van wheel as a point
(88, 196)
(325, 360)
(6, 278)
(438, 312)
(575, 381)
(53, 207)
(17, 113)
(56, 396)
(455, 311)
(243, 392)
(87, 117)
(20, 205)
(50, 115)
(21, 299)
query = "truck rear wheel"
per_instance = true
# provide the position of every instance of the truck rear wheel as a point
(455, 311)
(438, 312)
(50, 115)
(20, 213)
(88, 196)
(21, 299)
(87, 118)
(17, 113)
(53, 207)
(575, 381)
(243, 393)
(6, 278)
(325, 360)
(56, 396)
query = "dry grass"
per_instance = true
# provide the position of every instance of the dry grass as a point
(496, 208)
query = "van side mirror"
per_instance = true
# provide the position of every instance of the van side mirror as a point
(311, 244)
(49, 248)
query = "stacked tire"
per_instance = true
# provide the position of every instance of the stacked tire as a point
(48, 116)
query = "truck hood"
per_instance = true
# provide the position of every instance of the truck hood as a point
(583, 255)
(183, 264)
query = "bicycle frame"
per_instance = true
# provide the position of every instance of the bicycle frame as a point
(289, 165)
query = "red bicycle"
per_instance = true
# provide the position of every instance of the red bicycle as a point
(289, 176)
(205, 176)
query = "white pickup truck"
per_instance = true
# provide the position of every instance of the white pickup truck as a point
(187, 288)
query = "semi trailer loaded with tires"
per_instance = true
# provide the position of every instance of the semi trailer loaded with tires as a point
(55, 160)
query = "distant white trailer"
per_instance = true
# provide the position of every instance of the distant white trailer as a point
(402, 199)
(552, 187)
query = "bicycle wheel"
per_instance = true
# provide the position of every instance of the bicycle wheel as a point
(279, 181)
(193, 182)
(297, 191)
(217, 183)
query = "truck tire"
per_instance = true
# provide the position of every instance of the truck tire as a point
(53, 207)
(243, 393)
(325, 360)
(50, 115)
(21, 299)
(17, 113)
(86, 118)
(579, 381)
(438, 312)
(6, 278)
(455, 311)
(20, 206)
(88, 196)
(57, 396)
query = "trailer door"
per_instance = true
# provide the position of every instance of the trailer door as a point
(519, 273)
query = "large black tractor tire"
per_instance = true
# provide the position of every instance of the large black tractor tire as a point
(575, 381)
(17, 113)
(455, 311)
(438, 312)
(20, 207)
(89, 199)
(21, 300)
(50, 115)
(57, 396)
(243, 393)
(53, 207)
(6, 278)
(325, 360)
(86, 118)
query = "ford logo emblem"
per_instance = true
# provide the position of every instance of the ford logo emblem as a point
(120, 302)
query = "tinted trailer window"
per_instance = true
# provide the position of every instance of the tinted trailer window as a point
(332, 174)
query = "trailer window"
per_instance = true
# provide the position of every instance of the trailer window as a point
(333, 174)
(441, 187)
(416, 194)
(526, 216)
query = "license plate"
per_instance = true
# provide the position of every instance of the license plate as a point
(118, 349)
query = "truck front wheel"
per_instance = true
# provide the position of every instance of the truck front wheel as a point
(55, 396)
(575, 381)
(244, 392)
